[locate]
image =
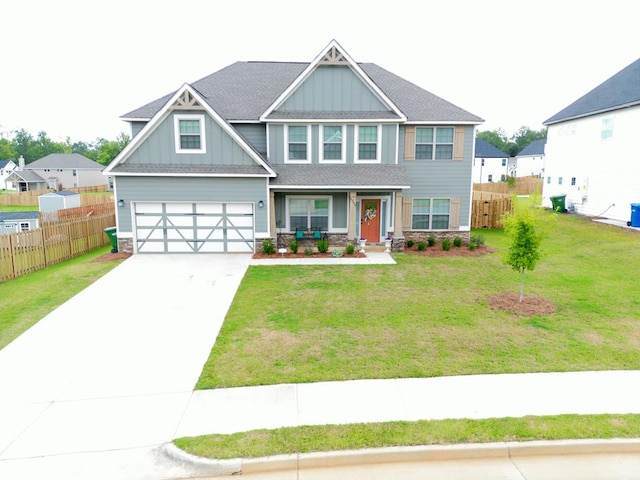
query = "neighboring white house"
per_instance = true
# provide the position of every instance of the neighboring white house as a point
(6, 168)
(490, 164)
(593, 149)
(530, 160)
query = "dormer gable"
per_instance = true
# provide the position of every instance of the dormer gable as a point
(189, 103)
(313, 95)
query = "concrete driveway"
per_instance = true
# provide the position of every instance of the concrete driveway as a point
(91, 390)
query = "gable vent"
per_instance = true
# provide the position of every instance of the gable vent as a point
(333, 57)
(186, 101)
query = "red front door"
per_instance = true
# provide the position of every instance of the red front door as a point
(370, 220)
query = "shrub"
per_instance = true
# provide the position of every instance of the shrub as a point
(422, 246)
(336, 253)
(477, 239)
(308, 251)
(431, 240)
(267, 246)
(446, 244)
(350, 249)
(472, 246)
(457, 242)
(323, 245)
(293, 246)
(410, 243)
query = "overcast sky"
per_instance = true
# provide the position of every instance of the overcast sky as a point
(72, 68)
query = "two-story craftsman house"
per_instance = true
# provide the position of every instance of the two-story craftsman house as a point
(261, 149)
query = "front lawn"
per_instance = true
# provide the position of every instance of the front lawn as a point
(428, 317)
(27, 299)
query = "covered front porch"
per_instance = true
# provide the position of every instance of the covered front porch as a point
(343, 203)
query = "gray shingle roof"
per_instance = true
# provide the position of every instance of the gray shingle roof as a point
(4, 163)
(61, 193)
(9, 216)
(485, 150)
(189, 169)
(335, 176)
(244, 90)
(65, 160)
(28, 176)
(619, 91)
(535, 148)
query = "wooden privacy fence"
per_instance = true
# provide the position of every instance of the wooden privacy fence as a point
(77, 212)
(26, 252)
(523, 186)
(31, 197)
(486, 213)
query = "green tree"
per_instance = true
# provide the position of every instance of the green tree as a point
(525, 228)
(8, 150)
(107, 150)
(512, 145)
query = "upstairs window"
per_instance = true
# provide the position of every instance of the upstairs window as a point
(367, 144)
(189, 134)
(606, 132)
(434, 143)
(504, 162)
(332, 144)
(297, 144)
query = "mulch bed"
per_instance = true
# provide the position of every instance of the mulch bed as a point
(275, 256)
(110, 257)
(530, 305)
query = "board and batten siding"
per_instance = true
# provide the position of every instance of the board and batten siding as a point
(333, 89)
(441, 178)
(189, 189)
(388, 137)
(255, 134)
(221, 148)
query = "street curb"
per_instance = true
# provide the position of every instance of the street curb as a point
(209, 467)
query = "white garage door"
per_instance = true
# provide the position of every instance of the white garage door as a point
(184, 227)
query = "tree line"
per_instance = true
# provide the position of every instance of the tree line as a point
(512, 145)
(33, 148)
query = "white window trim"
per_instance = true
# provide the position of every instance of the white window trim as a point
(357, 144)
(434, 144)
(343, 156)
(25, 226)
(286, 144)
(430, 229)
(176, 130)
(309, 197)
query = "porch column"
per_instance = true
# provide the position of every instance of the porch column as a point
(272, 214)
(351, 226)
(397, 221)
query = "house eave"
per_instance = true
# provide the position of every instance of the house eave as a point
(593, 113)
(210, 175)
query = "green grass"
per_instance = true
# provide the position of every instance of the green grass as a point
(18, 208)
(428, 317)
(27, 299)
(262, 443)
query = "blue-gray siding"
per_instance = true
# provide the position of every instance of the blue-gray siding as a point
(443, 178)
(178, 189)
(333, 89)
(221, 148)
(255, 134)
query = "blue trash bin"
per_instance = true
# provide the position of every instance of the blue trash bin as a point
(635, 215)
